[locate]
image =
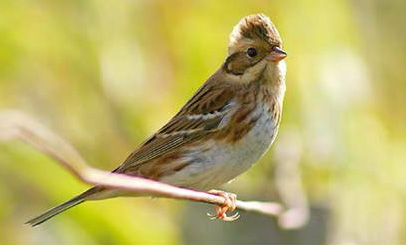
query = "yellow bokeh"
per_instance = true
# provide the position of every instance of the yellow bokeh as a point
(107, 74)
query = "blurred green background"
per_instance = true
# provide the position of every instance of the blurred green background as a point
(106, 74)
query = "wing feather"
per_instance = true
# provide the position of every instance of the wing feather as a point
(200, 117)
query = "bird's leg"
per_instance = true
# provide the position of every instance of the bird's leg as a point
(229, 205)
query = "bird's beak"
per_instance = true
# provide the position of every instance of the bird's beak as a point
(277, 54)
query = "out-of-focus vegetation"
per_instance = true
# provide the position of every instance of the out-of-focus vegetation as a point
(106, 74)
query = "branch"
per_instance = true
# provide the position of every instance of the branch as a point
(17, 125)
(288, 181)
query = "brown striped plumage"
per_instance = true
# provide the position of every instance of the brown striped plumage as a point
(146, 163)
(226, 126)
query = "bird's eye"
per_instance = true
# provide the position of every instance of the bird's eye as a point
(252, 52)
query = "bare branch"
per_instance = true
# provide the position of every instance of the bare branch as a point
(17, 125)
(289, 183)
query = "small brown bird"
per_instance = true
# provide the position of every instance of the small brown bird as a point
(227, 125)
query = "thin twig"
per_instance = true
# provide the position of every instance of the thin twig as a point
(17, 125)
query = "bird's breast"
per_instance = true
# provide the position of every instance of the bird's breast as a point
(249, 148)
(216, 161)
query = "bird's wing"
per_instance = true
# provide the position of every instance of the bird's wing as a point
(200, 117)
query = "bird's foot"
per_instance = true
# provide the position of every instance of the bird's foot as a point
(229, 205)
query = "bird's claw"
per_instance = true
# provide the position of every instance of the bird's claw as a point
(229, 205)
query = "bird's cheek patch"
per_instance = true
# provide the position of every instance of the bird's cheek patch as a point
(238, 63)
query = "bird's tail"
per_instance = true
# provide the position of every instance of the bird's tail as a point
(64, 206)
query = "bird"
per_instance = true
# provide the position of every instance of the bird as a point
(222, 130)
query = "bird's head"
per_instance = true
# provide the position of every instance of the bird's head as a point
(254, 44)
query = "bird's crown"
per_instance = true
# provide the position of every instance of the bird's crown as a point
(253, 28)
